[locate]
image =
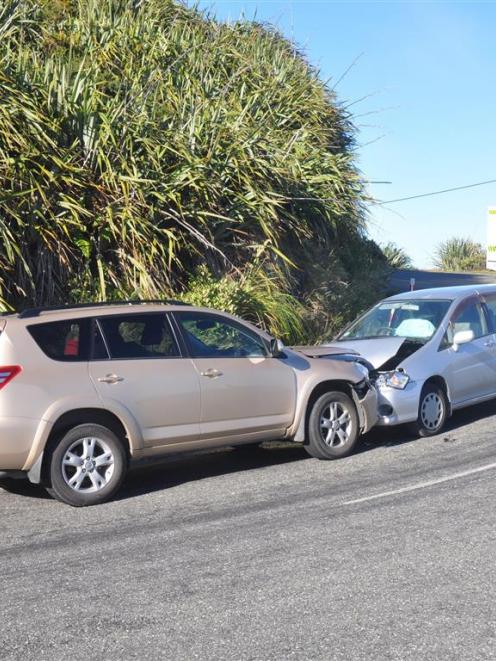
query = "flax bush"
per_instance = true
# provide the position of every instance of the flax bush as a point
(142, 140)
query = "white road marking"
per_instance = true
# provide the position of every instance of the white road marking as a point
(421, 485)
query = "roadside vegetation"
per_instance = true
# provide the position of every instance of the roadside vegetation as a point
(149, 151)
(460, 254)
(396, 257)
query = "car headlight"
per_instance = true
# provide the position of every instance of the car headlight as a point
(394, 379)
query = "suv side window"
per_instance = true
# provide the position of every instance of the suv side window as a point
(138, 336)
(212, 336)
(468, 316)
(66, 341)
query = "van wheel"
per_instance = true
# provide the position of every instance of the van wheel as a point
(433, 411)
(87, 466)
(332, 426)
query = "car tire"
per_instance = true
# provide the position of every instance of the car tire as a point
(333, 428)
(87, 466)
(433, 411)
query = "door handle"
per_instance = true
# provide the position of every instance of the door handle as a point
(490, 343)
(212, 373)
(110, 378)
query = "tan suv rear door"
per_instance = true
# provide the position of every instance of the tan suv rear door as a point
(138, 364)
(246, 394)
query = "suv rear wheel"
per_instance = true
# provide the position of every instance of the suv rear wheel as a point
(332, 426)
(87, 466)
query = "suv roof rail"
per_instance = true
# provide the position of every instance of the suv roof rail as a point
(35, 312)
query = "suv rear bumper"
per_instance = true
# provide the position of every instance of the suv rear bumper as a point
(16, 439)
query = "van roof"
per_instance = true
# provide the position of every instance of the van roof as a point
(446, 293)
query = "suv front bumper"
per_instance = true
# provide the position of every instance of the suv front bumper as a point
(366, 399)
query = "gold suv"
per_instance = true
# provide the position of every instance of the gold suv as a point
(86, 390)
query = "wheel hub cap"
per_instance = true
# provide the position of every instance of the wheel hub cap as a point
(432, 411)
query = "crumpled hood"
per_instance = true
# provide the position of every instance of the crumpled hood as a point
(376, 351)
(324, 350)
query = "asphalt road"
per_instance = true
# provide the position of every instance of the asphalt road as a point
(266, 555)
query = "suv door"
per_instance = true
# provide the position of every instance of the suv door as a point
(137, 362)
(246, 394)
(470, 369)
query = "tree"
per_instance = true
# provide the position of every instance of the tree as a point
(396, 257)
(460, 254)
(140, 141)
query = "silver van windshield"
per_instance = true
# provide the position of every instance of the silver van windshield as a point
(414, 319)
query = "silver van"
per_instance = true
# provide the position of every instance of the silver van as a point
(431, 352)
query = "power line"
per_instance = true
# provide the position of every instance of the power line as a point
(438, 192)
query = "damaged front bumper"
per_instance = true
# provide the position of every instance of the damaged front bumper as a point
(396, 407)
(366, 399)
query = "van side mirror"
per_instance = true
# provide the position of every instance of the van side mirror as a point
(276, 348)
(462, 337)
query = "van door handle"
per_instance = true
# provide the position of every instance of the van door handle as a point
(212, 373)
(111, 378)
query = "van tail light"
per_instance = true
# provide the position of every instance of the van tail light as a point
(8, 373)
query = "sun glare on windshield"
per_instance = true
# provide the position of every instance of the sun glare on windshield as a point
(413, 319)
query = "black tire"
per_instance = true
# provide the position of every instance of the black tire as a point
(433, 411)
(99, 471)
(322, 443)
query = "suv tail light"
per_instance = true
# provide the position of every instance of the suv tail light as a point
(8, 373)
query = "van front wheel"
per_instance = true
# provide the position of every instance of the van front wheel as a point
(433, 411)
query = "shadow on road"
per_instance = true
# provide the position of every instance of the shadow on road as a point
(173, 471)
(389, 436)
(24, 488)
(189, 468)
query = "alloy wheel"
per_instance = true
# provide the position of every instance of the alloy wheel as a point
(88, 465)
(335, 425)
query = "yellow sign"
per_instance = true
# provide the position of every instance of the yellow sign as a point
(491, 239)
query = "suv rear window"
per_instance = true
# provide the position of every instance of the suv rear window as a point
(62, 340)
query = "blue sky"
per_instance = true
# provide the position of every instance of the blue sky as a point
(429, 123)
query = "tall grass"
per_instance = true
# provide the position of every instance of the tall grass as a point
(140, 140)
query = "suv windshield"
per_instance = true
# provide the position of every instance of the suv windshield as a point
(414, 319)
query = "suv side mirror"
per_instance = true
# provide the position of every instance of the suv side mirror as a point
(462, 337)
(276, 348)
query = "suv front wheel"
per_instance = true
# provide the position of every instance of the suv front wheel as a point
(87, 466)
(332, 426)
